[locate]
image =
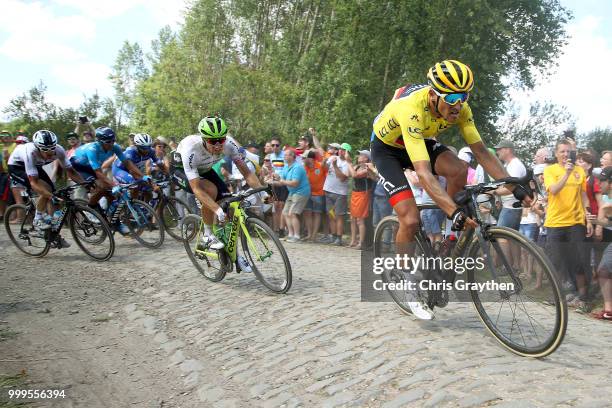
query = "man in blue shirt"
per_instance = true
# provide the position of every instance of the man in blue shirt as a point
(88, 159)
(294, 177)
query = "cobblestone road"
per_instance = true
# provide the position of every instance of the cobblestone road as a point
(233, 344)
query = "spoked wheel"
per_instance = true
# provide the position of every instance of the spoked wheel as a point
(528, 319)
(266, 255)
(212, 264)
(22, 233)
(172, 213)
(384, 246)
(91, 233)
(144, 223)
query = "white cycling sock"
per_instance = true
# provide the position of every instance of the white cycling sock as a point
(207, 230)
(38, 215)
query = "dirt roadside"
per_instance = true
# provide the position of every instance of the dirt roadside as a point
(61, 325)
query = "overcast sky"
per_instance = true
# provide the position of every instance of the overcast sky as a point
(71, 44)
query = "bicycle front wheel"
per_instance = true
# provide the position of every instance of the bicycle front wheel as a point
(528, 319)
(210, 263)
(91, 233)
(266, 255)
(384, 247)
(21, 231)
(144, 223)
(172, 213)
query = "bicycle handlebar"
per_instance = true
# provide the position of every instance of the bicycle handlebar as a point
(242, 195)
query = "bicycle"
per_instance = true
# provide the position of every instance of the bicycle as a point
(506, 312)
(258, 242)
(143, 222)
(89, 229)
(171, 210)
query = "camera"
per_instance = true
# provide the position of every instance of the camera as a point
(83, 119)
(572, 156)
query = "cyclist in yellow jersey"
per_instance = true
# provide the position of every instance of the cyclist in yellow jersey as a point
(402, 138)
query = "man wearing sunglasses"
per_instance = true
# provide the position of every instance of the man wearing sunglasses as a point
(193, 161)
(26, 169)
(88, 160)
(403, 137)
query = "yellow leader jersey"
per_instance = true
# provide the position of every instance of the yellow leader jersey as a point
(406, 121)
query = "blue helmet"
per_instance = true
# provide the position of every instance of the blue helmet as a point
(105, 134)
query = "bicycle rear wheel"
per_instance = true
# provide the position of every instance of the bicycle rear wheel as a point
(91, 233)
(210, 263)
(266, 255)
(144, 223)
(172, 213)
(528, 320)
(28, 240)
(384, 246)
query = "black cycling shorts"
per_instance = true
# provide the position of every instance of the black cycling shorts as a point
(20, 178)
(178, 175)
(392, 161)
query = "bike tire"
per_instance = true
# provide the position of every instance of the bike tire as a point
(384, 244)
(554, 303)
(152, 222)
(171, 216)
(257, 229)
(81, 229)
(20, 233)
(190, 230)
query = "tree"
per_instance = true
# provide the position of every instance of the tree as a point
(541, 127)
(129, 69)
(597, 139)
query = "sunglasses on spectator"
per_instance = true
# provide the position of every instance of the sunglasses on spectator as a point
(454, 98)
(267, 160)
(274, 144)
(218, 141)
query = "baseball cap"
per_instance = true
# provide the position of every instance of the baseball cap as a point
(72, 135)
(161, 140)
(309, 154)
(21, 139)
(606, 174)
(538, 169)
(335, 145)
(366, 153)
(505, 143)
(465, 154)
(346, 146)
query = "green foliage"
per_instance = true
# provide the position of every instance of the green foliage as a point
(280, 67)
(598, 140)
(543, 125)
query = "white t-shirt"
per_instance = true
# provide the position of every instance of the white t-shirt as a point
(192, 152)
(27, 155)
(515, 168)
(332, 183)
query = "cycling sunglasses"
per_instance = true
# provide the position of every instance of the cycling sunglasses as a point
(454, 98)
(47, 149)
(218, 141)
(107, 141)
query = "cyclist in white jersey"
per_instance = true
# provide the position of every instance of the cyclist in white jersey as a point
(196, 155)
(25, 168)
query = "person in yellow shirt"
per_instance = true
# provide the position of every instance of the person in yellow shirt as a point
(566, 221)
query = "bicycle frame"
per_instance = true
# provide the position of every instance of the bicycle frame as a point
(125, 198)
(230, 238)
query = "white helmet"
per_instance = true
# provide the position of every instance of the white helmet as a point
(45, 140)
(143, 140)
(465, 154)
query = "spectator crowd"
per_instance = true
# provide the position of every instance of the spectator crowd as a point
(323, 194)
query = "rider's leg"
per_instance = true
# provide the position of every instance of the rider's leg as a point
(453, 170)
(408, 216)
(207, 214)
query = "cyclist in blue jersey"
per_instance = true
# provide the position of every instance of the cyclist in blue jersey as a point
(88, 160)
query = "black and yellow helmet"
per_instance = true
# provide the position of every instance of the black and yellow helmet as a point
(451, 76)
(212, 127)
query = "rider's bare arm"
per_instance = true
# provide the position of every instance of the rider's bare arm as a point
(132, 169)
(250, 177)
(433, 187)
(74, 175)
(103, 181)
(108, 163)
